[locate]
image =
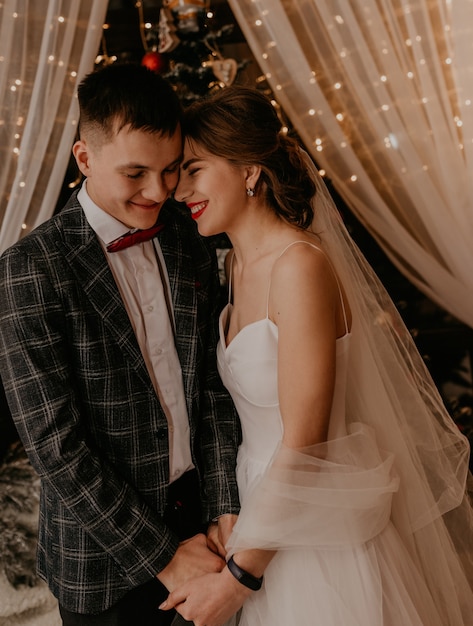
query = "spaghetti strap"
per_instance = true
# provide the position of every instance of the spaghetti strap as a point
(312, 245)
(230, 276)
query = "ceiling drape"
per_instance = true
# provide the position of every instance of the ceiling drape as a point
(46, 47)
(381, 94)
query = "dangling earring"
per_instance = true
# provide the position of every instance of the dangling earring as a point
(250, 192)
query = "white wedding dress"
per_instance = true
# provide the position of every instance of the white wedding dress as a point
(325, 509)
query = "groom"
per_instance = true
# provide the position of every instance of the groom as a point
(107, 354)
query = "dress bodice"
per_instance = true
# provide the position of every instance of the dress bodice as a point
(248, 368)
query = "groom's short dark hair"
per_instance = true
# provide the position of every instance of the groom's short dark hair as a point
(127, 94)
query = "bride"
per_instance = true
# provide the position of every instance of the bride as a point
(352, 475)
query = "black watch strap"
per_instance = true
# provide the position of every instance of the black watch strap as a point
(243, 577)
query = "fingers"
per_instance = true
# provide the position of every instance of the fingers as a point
(192, 558)
(173, 599)
(213, 540)
(209, 600)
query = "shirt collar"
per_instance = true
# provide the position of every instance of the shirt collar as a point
(106, 227)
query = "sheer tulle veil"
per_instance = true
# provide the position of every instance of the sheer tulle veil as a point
(391, 394)
(389, 386)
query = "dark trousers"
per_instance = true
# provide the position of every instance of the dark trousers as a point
(139, 607)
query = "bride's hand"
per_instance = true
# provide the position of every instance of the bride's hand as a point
(209, 600)
(219, 532)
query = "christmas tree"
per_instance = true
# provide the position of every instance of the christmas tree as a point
(185, 48)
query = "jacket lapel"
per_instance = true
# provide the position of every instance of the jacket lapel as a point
(86, 258)
(182, 280)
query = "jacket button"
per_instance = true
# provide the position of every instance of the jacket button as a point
(162, 433)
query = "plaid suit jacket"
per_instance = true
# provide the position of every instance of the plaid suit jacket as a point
(87, 412)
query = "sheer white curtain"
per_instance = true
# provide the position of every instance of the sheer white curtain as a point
(46, 46)
(381, 93)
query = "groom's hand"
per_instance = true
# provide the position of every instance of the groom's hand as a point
(193, 558)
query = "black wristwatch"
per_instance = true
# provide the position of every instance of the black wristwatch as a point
(245, 578)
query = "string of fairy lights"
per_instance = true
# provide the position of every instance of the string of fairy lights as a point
(175, 19)
(414, 63)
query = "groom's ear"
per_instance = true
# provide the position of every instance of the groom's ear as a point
(80, 150)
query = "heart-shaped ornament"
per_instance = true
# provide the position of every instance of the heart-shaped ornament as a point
(225, 70)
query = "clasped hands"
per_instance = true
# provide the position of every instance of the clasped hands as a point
(202, 588)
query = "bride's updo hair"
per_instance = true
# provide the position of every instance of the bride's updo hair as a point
(241, 125)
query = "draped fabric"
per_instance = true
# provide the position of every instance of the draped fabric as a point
(46, 47)
(381, 94)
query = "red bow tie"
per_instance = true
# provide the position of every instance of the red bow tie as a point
(134, 236)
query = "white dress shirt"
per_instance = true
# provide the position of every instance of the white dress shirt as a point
(137, 271)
